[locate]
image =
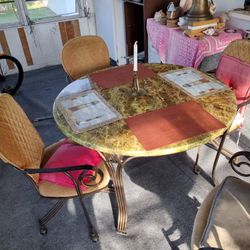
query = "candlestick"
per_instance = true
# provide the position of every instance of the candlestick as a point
(135, 84)
(136, 90)
(135, 68)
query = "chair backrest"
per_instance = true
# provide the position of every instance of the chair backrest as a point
(239, 49)
(234, 68)
(20, 143)
(223, 218)
(83, 55)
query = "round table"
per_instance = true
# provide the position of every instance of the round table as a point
(115, 140)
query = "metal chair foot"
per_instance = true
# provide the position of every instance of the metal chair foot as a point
(43, 228)
(197, 169)
(50, 214)
(94, 235)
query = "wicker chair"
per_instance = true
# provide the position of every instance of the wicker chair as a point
(222, 221)
(83, 55)
(22, 148)
(239, 53)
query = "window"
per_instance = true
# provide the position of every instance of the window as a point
(8, 12)
(13, 12)
(44, 9)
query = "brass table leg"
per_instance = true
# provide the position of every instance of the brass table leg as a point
(115, 165)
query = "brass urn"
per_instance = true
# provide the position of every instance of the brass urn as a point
(199, 11)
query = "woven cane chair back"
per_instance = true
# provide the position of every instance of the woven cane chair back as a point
(239, 49)
(83, 55)
(20, 144)
(233, 69)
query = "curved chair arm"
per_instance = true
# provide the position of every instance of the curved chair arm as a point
(59, 170)
(236, 164)
(66, 170)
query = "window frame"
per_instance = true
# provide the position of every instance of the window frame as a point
(20, 20)
(25, 20)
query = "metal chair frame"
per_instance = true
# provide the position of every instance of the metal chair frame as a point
(220, 150)
(62, 200)
(217, 144)
(22, 148)
(235, 165)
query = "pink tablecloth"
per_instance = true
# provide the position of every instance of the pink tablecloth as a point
(175, 48)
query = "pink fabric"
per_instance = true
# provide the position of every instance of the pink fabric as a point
(70, 155)
(236, 74)
(174, 47)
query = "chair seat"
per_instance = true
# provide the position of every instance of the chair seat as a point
(223, 220)
(48, 189)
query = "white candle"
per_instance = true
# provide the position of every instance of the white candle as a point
(135, 56)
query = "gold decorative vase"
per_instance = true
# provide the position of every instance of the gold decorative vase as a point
(199, 11)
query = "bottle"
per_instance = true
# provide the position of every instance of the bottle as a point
(171, 11)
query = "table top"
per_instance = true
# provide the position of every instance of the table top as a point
(174, 47)
(116, 138)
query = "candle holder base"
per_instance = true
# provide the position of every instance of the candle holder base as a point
(140, 92)
(136, 90)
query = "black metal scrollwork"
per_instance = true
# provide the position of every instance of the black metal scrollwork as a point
(236, 163)
(92, 178)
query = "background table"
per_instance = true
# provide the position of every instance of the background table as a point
(116, 140)
(174, 47)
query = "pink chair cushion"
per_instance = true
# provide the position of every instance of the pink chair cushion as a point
(236, 74)
(70, 155)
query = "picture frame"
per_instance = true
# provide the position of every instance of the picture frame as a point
(86, 110)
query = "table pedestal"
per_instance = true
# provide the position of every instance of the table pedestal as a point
(115, 165)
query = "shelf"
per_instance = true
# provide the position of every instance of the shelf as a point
(240, 14)
(137, 3)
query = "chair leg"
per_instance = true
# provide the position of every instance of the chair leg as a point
(43, 118)
(238, 139)
(92, 232)
(217, 157)
(224, 151)
(52, 212)
(196, 167)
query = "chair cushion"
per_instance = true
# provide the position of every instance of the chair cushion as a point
(228, 219)
(68, 154)
(236, 74)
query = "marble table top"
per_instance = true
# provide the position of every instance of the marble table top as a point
(116, 138)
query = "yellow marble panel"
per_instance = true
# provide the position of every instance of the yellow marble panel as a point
(116, 138)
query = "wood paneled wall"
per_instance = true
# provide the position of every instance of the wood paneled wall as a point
(69, 30)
